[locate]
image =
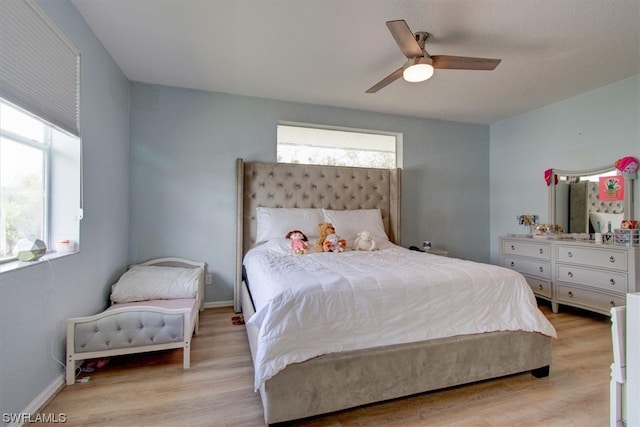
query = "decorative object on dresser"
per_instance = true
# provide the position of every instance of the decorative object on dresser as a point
(627, 237)
(528, 221)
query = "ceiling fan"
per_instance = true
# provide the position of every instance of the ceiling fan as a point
(420, 64)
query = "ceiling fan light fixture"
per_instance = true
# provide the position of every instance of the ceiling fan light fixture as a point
(417, 69)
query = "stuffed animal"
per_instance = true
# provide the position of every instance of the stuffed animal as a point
(364, 242)
(324, 229)
(334, 243)
(298, 242)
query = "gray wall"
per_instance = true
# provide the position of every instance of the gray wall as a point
(183, 149)
(35, 301)
(583, 132)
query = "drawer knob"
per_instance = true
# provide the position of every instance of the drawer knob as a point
(513, 264)
(613, 303)
(612, 282)
(540, 287)
(570, 274)
(570, 294)
(541, 270)
(513, 248)
(541, 251)
(570, 254)
(612, 259)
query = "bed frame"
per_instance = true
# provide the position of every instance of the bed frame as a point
(337, 381)
(171, 328)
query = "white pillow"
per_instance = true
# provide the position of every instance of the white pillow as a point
(277, 222)
(143, 283)
(348, 223)
(616, 220)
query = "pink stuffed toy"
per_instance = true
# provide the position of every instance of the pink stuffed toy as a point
(628, 166)
(298, 242)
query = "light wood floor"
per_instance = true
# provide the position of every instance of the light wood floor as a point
(154, 390)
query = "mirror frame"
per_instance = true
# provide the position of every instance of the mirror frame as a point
(628, 188)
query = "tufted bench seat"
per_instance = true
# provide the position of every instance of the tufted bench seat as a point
(134, 326)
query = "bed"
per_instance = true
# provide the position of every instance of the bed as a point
(296, 380)
(154, 306)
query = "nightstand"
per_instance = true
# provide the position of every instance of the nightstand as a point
(440, 252)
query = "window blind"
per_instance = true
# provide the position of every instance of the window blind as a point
(39, 65)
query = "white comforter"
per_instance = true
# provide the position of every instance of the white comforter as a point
(309, 305)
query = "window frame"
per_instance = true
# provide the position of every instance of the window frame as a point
(397, 135)
(45, 148)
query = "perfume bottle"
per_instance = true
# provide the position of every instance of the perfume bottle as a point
(598, 234)
(608, 236)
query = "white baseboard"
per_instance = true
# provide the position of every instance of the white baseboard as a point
(41, 400)
(216, 304)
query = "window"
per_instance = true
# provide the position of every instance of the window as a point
(39, 176)
(307, 144)
(24, 152)
(40, 147)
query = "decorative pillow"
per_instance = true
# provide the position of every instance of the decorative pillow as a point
(348, 223)
(144, 283)
(604, 218)
(277, 222)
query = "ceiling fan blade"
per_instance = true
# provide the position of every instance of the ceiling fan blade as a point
(386, 81)
(463, 63)
(405, 38)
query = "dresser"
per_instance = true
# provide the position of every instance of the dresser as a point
(532, 258)
(579, 274)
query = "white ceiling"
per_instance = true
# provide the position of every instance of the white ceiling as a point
(329, 52)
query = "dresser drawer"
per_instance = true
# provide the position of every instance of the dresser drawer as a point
(594, 257)
(539, 287)
(529, 266)
(587, 298)
(530, 249)
(602, 279)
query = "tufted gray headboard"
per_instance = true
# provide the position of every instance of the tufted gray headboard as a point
(310, 186)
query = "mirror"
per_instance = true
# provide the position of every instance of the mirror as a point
(580, 201)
